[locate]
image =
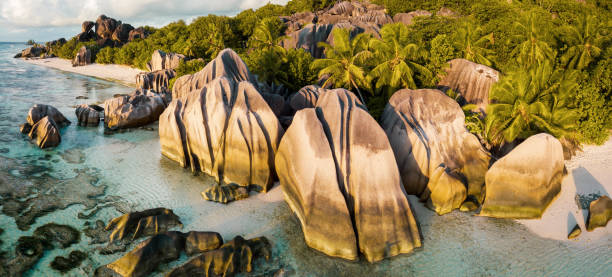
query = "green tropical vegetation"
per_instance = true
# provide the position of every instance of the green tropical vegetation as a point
(555, 58)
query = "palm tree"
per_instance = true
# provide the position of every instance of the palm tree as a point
(398, 59)
(585, 39)
(531, 48)
(472, 44)
(267, 35)
(528, 102)
(215, 41)
(343, 60)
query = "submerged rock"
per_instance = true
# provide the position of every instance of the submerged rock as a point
(233, 257)
(199, 242)
(57, 235)
(88, 115)
(324, 164)
(523, 183)
(27, 253)
(137, 109)
(600, 212)
(64, 265)
(439, 160)
(145, 223)
(225, 193)
(576, 231)
(83, 57)
(473, 81)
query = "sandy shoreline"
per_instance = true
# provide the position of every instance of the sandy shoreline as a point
(117, 73)
(589, 172)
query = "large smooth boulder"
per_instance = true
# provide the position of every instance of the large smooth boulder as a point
(523, 183)
(338, 174)
(137, 109)
(226, 130)
(38, 111)
(473, 81)
(86, 26)
(46, 133)
(144, 223)
(306, 97)
(88, 115)
(600, 212)
(105, 26)
(157, 80)
(122, 32)
(227, 64)
(83, 57)
(32, 52)
(438, 159)
(161, 60)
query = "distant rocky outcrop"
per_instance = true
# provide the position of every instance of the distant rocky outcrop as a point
(345, 205)
(157, 80)
(137, 33)
(439, 160)
(473, 81)
(105, 26)
(122, 32)
(600, 212)
(161, 60)
(43, 124)
(32, 52)
(523, 183)
(407, 18)
(137, 109)
(83, 57)
(89, 115)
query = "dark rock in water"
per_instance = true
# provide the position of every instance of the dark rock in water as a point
(147, 255)
(52, 235)
(600, 212)
(157, 80)
(25, 128)
(83, 57)
(64, 265)
(439, 159)
(225, 193)
(73, 156)
(46, 133)
(576, 231)
(18, 55)
(145, 223)
(122, 32)
(105, 26)
(324, 163)
(87, 26)
(81, 97)
(97, 233)
(27, 253)
(38, 111)
(138, 109)
(88, 115)
(231, 258)
(32, 52)
(198, 242)
(137, 33)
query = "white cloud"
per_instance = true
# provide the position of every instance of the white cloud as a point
(38, 15)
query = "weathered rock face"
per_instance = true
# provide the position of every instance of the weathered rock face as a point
(439, 160)
(87, 26)
(42, 124)
(83, 57)
(523, 183)
(137, 33)
(324, 164)
(227, 64)
(408, 18)
(199, 242)
(105, 26)
(86, 36)
(38, 111)
(144, 223)
(157, 80)
(89, 115)
(233, 257)
(122, 32)
(473, 81)
(128, 111)
(161, 60)
(600, 212)
(32, 52)
(225, 130)
(357, 16)
(147, 255)
(306, 97)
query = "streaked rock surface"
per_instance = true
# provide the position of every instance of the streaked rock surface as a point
(600, 212)
(137, 109)
(473, 81)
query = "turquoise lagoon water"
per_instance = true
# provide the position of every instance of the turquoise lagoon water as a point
(135, 176)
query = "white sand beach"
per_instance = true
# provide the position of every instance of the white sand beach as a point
(589, 172)
(118, 73)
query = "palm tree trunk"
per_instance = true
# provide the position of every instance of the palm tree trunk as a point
(358, 93)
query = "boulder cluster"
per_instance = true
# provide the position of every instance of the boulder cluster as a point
(161, 69)
(134, 110)
(43, 124)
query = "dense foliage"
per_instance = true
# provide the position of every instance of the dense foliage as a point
(555, 57)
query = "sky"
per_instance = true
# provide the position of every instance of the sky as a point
(45, 20)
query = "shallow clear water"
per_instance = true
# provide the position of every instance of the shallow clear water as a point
(131, 167)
